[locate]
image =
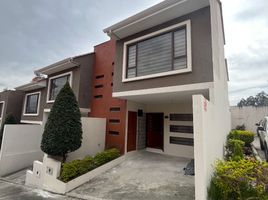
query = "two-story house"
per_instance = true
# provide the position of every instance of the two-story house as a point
(41, 93)
(166, 57)
(10, 103)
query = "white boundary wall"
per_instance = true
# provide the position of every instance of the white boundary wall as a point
(94, 130)
(20, 147)
(248, 116)
(209, 141)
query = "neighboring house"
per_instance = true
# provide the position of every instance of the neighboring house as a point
(41, 93)
(10, 103)
(170, 63)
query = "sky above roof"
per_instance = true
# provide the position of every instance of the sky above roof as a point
(36, 33)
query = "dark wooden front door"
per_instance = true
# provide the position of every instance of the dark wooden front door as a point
(132, 131)
(155, 130)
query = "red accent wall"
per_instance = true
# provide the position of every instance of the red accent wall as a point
(103, 104)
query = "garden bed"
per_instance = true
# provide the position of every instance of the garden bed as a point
(78, 172)
(240, 175)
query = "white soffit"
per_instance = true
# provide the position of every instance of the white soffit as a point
(58, 67)
(32, 86)
(158, 14)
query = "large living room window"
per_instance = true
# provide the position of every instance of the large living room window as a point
(161, 53)
(32, 102)
(56, 83)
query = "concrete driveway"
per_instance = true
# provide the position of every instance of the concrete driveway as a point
(145, 175)
(12, 191)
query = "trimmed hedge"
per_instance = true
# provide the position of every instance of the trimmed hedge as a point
(234, 149)
(243, 179)
(106, 156)
(245, 136)
(76, 168)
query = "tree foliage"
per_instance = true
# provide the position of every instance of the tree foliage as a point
(63, 130)
(261, 99)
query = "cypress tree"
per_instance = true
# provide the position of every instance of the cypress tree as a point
(63, 130)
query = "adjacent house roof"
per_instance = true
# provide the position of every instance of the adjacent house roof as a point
(34, 85)
(59, 66)
(155, 15)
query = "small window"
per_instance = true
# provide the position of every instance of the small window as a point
(113, 132)
(1, 109)
(98, 86)
(114, 121)
(114, 109)
(98, 96)
(181, 141)
(99, 76)
(181, 129)
(32, 103)
(56, 84)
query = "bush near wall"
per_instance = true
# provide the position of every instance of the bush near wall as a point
(76, 168)
(245, 136)
(239, 180)
(234, 149)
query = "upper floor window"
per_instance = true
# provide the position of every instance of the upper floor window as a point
(1, 110)
(32, 102)
(56, 83)
(161, 53)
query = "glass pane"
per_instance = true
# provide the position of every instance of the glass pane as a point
(131, 73)
(1, 109)
(32, 104)
(180, 63)
(180, 43)
(56, 85)
(132, 56)
(154, 55)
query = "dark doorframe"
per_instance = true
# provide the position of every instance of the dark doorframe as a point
(132, 131)
(155, 130)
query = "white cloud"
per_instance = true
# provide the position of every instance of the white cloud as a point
(246, 28)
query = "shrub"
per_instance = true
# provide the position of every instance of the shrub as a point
(77, 168)
(241, 127)
(63, 130)
(106, 156)
(234, 149)
(245, 136)
(243, 179)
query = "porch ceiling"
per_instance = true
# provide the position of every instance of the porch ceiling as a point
(172, 97)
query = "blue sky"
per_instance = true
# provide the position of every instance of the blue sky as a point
(36, 33)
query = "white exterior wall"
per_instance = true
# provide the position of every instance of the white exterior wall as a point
(170, 149)
(210, 136)
(174, 149)
(208, 145)
(20, 147)
(94, 130)
(248, 116)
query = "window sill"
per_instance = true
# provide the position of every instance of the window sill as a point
(25, 114)
(51, 101)
(162, 74)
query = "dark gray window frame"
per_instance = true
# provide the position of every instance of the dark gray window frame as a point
(27, 97)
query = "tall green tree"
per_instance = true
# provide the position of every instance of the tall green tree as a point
(10, 119)
(63, 130)
(261, 99)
